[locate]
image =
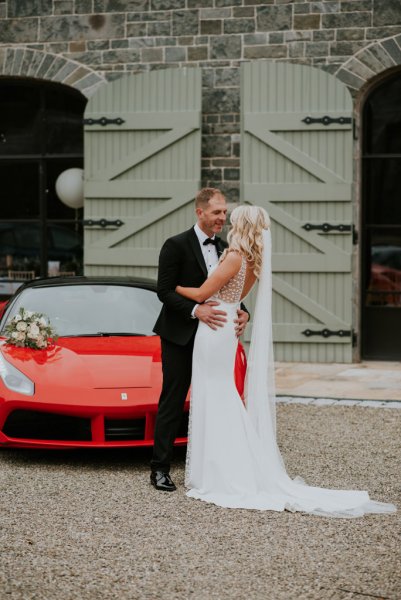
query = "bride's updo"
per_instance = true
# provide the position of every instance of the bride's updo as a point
(245, 235)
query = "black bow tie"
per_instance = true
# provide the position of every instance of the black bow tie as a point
(210, 241)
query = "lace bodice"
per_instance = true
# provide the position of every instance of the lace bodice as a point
(231, 292)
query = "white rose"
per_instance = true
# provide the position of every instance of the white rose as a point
(21, 336)
(27, 314)
(41, 342)
(21, 326)
(17, 318)
(33, 331)
(15, 334)
(42, 322)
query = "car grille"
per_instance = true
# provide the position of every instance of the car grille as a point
(30, 424)
(124, 429)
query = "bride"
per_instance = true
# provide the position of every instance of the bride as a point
(233, 459)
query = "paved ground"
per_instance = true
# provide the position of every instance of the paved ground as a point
(369, 380)
(87, 525)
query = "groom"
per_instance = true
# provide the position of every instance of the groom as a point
(185, 259)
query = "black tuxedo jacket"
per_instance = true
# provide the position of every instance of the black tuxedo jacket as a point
(181, 262)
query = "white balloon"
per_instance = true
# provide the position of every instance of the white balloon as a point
(70, 187)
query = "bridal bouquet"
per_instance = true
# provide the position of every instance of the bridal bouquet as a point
(30, 330)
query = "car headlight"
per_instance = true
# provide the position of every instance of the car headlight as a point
(14, 379)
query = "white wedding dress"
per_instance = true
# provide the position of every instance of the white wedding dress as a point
(233, 459)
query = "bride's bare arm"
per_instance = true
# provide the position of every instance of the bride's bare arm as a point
(224, 272)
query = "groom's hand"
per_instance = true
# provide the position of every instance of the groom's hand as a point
(241, 322)
(209, 315)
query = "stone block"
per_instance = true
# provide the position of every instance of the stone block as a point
(82, 27)
(277, 37)
(175, 54)
(83, 6)
(215, 13)
(63, 7)
(357, 19)
(135, 29)
(161, 15)
(302, 8)
(251, 39)
(185, 22)
(121, 56)
(349, 34)
(325, 7)
(167, 4)
(375, 33)
(143, 42)
(228, 3)
(149, 55)
(231, 174)
(356, 5)
(18, 58)
(298, 36)
(257, 2)
(231, 192)
(350, 79)
(199, 3)
(197, 53)
(359, 69)
(57, 47)
(386, 12)
(324, 35)
(221, 100)
(274, 18)
(207, 76)
(243, 11)
(98, 45)
(159, 28)
(227, 47)
(94, 59)
(161, 41)
(211, 175)
(77, 46)
(278, 51)
(306, 22)
(296, 49)
(211, 27)
(346, 48)
(239, 26)
(381, 55)
(368, 59)
(29, 8)
(119, 43)
(120, 6)
(14, 31)
(216, 145)
(229, 77)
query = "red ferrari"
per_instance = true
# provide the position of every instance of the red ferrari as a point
(99, 384)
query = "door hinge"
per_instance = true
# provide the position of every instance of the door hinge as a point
(104, 121)
(326, 120)
(326, 227)
(326, 333)
(102, 222)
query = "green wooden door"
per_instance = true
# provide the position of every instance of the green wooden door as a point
(296, 161)
(142, 168)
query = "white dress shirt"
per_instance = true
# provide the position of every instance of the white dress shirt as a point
(209, 254)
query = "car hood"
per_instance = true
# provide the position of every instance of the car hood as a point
(95, 363)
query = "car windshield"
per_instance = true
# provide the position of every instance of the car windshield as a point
(92, 309)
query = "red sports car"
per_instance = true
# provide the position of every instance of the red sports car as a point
(99, 384)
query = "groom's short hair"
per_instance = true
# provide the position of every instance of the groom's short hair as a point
(204, 195)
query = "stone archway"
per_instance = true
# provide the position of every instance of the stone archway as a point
(25, 62)
(369, 62)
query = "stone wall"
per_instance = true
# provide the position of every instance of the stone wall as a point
(354, 39)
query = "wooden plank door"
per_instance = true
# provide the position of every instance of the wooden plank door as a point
(296, 161)
(142, 168)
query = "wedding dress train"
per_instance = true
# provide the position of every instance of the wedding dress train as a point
(233, 459)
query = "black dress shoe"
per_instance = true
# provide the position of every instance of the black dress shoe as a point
(162, 481)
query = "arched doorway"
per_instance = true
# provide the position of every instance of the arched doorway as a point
(41, 135)
(381, 222)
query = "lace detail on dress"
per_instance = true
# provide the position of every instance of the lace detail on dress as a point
(231, 292)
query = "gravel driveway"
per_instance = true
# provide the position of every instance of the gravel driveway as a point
(87, 525)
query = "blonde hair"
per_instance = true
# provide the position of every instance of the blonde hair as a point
(245, 235)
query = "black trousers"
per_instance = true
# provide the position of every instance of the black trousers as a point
(177, 373)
